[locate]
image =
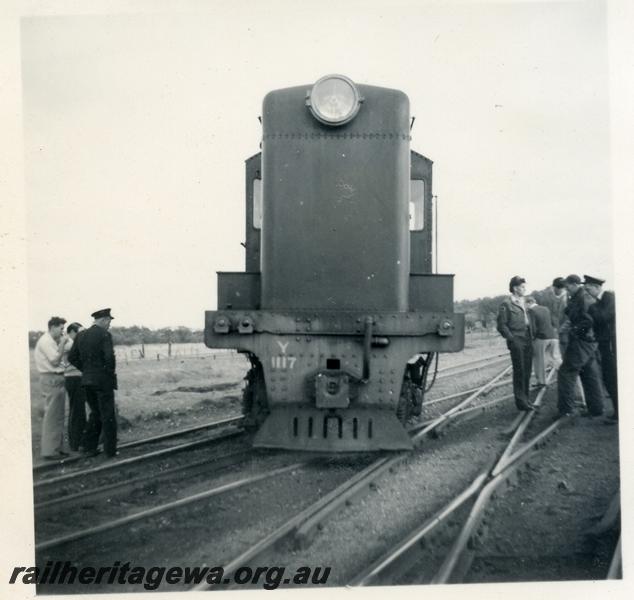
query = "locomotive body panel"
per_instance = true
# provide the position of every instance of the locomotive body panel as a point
(342, 197)
(337, 309)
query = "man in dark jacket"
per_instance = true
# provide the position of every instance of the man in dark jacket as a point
(554, 299)
(514, 327)
(580, 357)
(93, 354)
(545, 340)
(603, 313)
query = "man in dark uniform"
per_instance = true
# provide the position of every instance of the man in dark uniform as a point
(514, 327)
(603, 315)
(93, 354)
(580, 357)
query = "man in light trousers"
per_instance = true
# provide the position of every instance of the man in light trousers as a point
(545, 341)
(48, 362)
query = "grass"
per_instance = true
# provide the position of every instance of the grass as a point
(177, 392)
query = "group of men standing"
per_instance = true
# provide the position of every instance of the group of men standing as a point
(575, 320)
(80, 363)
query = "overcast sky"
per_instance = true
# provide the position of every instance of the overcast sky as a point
(136, 128)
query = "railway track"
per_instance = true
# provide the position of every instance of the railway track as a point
(301, 528)
(48, 500)
(171, 435)
(436, 535)
(213, 465)
(222, 429)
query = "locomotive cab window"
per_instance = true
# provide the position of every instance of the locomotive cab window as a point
(257, 204)
(417, 205)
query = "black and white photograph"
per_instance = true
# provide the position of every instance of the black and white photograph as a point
(315, 296)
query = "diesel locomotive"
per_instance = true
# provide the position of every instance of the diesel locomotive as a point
(338, 310)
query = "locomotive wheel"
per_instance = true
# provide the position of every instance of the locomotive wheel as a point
(404, 406)
(254, 403)
(417, 401)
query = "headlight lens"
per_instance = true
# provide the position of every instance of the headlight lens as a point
(334, 100)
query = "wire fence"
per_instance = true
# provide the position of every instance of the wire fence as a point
(170, 352)
(189, 350)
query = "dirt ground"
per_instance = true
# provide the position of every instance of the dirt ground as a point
(156, 396)
(541, 529)
(538, 528)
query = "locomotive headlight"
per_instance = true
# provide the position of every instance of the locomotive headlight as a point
(334, 100)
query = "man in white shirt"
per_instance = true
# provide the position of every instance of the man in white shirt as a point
(48, 361)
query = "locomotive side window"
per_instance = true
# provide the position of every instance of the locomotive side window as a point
(257, 203)
(417, 205)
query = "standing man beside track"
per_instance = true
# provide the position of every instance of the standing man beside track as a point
(580, 357)
(48, 354)
(603, 315)
(546, 341)
(514, 326)
(93, 354)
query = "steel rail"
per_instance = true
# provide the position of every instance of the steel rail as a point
(136, 459)
(148, 440)
(483, 485)
(473, 361)
(473, 367)
(305, 523)
(444, 574)
(306, 531)
(464, 393)
(524, 423)
(218, 463)
(460, 414)
(156, 510)
(282, 532)
(370, 575)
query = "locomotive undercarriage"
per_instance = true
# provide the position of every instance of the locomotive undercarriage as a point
(335, 389)
(319, 424)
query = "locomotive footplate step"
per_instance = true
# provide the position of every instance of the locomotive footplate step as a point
(349, 430)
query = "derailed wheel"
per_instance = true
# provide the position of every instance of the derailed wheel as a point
(254, 401)
(405, 404)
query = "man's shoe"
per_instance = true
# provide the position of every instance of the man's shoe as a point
(94, 452)
(567, 415)
(55, 456)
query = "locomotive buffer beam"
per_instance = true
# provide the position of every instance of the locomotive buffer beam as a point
(340, 323)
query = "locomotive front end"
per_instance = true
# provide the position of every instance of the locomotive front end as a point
(329, 311)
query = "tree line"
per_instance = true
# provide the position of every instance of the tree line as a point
(481, 313)
(129, 336)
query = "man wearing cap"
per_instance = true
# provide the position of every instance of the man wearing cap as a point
(580, 356)
(514, 326)
(555, 299)
(603, 315)
(48, 354)
(93, 354)
(545, 340)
